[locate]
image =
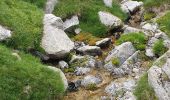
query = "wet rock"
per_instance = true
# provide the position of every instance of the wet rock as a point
(4, 33)
(109, 20)
(90, 50)
(122, 52)
(88, 80)
(81, 71)
(55, 41)
(63, 64)
(104, 42)
(72, 87)
(131, 6)
(70, 24)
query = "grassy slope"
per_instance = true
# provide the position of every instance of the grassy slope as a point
(15, 75)
(165, 23)
(88, 9)
(25, 20)
(39, 3)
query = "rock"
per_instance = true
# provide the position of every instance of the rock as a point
(128, 96)
(166, 43)
(129, 85)
(131, 6)
(109, 67)
(76, 58)
(40, 55)
(103, 43)
(135, 70)
(64, 79)
(154, 78)
(91, 62)
(149, 52)
(52, 20)
(166, 68)
(78, 44)
(112, 88)
(108, 3)
(72, 87)
(151, 27)
(90, 80)
(17, 56)
(122, 52)
(81, 71)
(63, 64)
(128, 29)
(55, 42)
(77, 30)
(4, 33)
(50, 4)
(109, 20)
(69, 24)
(99, 64)
(152, 41)
(90, 50)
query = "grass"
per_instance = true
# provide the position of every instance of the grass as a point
(137, 39)
(164, 23)
(25, 20)
(27, 79)
(159, 48)
(39, 3)
(88, 10)
(143, 91)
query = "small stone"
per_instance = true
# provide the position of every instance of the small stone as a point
(90, 80)
(63, 64)
(82, 71)
(104, 42)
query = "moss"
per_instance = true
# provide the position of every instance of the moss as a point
(143, 91)
(91, 87)
(115, 61)
(25, 20)
(87, 38)
(159, 48)
(71, 69)
(88, 12)
(137, 39)
(27, 78)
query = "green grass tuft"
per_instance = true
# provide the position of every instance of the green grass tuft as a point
(143, 91)
(25, 20)
(164, 23)
(137, 39)
(159, 48)
(39, 3)
(88, 10)
(27, 79)
(115, 61)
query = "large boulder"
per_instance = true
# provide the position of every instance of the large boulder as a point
(131, 6)
(50, 4)
(122, 52)
(4, 33)
(55, 42)
(109, 20)
(90, 50)
(69, 24)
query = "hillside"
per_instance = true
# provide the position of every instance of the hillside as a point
(84, 49)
